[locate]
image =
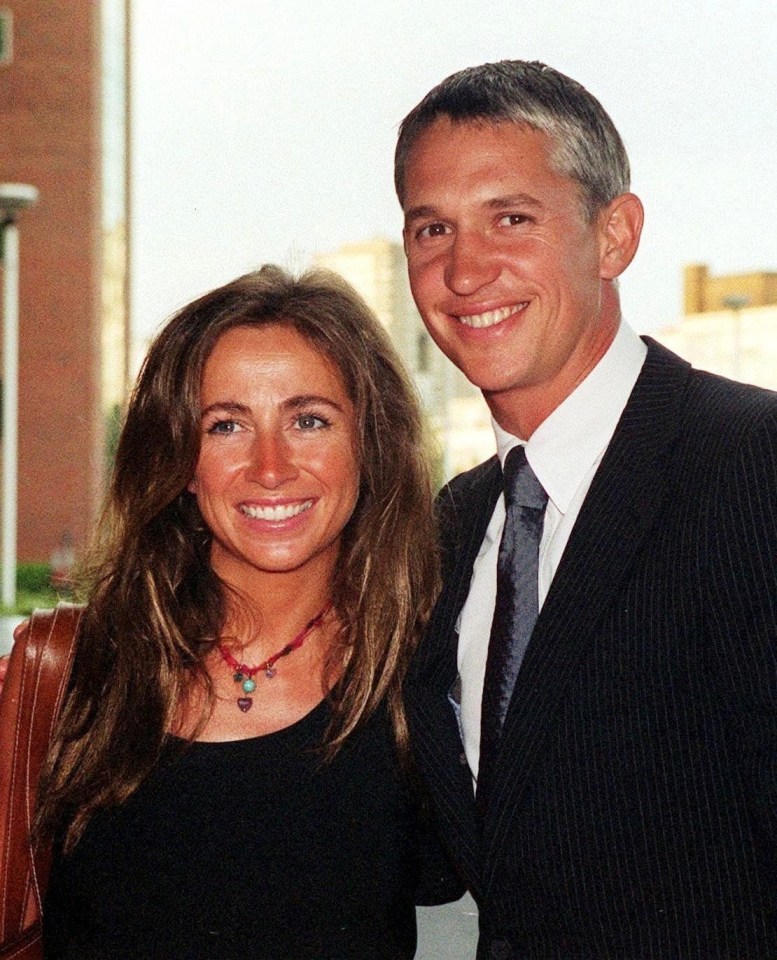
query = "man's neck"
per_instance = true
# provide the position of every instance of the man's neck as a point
(520, 410)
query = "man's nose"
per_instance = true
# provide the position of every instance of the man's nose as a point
(272, 461)
(472, 263)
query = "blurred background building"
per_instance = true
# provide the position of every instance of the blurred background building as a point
(63, 129)
(729, 326)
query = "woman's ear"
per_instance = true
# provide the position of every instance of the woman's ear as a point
(620, 225)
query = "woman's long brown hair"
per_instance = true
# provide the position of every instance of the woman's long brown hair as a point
(155, 607)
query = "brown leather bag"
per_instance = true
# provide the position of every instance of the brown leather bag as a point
(35, 684)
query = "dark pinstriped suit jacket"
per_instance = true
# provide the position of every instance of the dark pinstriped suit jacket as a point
(634, 812)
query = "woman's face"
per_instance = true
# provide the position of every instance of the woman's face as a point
(277, 477)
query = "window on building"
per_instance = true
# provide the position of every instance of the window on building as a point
(424, 352)
(6, 35)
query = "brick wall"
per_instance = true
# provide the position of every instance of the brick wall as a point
(49, 137)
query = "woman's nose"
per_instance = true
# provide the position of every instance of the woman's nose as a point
(272, 462)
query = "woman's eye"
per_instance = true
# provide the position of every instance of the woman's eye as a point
(309, 421)
(224, 427)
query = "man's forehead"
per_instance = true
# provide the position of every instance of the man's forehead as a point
(494, 165)
(453, 127)
(445, 139)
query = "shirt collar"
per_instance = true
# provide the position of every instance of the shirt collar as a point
(567, 444)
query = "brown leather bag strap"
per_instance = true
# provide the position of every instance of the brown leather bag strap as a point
(35, 685)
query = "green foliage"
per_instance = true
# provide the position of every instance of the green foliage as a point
(33, 589)
(33, 577)
(113, 425)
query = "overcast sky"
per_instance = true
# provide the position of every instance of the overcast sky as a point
(264, 129)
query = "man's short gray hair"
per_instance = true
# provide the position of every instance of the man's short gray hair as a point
(586, 146)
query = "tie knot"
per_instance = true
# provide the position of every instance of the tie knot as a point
(522, 488)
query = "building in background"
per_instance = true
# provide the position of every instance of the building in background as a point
(703, 293)
(64, 120)
(456, 411)
(730, 325)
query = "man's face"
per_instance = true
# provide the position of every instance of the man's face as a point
(505, 269)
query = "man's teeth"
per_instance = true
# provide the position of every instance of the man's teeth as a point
(285, 512)
(491, 317)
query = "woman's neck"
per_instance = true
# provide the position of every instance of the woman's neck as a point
(273, 615)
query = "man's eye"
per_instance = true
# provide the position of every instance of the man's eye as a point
(513, 219)
(432, 230)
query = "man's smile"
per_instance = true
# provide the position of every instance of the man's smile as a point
(490, 317)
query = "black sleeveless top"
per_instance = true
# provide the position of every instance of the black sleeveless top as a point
(249, 849)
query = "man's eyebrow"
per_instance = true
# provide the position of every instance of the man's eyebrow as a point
(513, 200)
(420, 212)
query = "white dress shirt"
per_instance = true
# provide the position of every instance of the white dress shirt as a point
(564, 452)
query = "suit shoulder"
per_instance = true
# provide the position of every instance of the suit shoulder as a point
(722, 407)
(463, 499)
(467, 484)
(707, 404)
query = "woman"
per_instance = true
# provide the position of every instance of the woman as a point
(227, 776)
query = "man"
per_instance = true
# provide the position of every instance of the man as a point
(628, 804)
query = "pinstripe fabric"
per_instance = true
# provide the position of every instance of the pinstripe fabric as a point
(634, 815)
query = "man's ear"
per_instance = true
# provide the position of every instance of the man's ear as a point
(620, 225)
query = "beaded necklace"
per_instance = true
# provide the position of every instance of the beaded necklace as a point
(244, 675)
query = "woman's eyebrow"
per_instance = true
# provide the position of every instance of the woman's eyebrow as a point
(308, 399)
(226, 406)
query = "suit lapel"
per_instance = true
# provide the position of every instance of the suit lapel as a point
(466, 509)
(615, 518)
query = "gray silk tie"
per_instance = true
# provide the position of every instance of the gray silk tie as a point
(515, 611)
